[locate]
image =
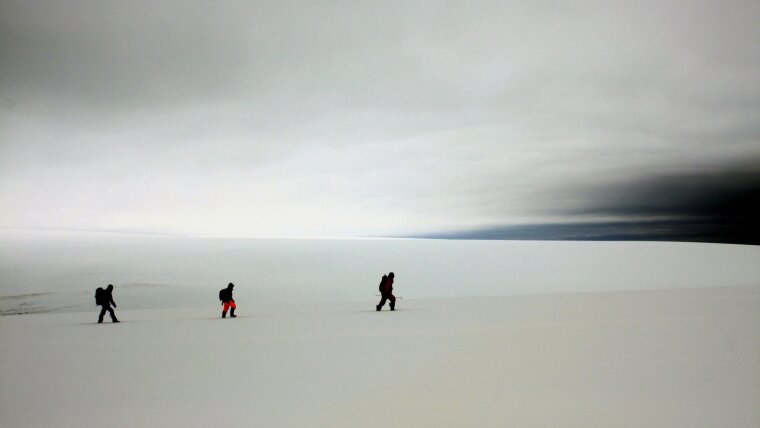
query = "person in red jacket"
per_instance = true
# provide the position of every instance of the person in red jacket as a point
(386, 291)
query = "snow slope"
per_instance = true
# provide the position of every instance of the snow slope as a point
(679, 358)
(489, 334)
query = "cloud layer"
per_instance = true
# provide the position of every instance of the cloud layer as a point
(336, 118)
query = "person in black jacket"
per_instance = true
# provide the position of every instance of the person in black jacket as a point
(386, 292)
(225, 295)
(104, 298)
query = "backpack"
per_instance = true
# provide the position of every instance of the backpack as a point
(221, 294)
(381, 287)
(99, 295)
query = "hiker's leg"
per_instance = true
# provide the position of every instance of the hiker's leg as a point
(392, 299)
(225, 308)
(102, 313)
(113, 316)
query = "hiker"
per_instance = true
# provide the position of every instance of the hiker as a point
(225, 295)
(104, 298)
(386, 291)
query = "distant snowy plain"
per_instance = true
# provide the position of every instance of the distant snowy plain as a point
(60, 270)
(488, 333)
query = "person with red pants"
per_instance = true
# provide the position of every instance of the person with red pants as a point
(386, 291)
(225, 295)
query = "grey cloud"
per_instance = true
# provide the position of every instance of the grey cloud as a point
(717, 204)
(725, 192)
(418, 116)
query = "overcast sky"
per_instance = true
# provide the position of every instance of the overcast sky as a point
(284, 118)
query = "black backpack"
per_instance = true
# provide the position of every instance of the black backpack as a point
(381, 287)
(221, 294)
(99, 295)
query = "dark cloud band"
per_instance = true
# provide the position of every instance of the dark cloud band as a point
(717, 205)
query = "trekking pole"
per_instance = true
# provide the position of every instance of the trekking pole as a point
(380, 295)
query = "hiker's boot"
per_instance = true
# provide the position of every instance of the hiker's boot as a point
(224, 314)
(393, 307)
(232, 313)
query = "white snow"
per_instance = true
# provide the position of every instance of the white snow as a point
(677, 356)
